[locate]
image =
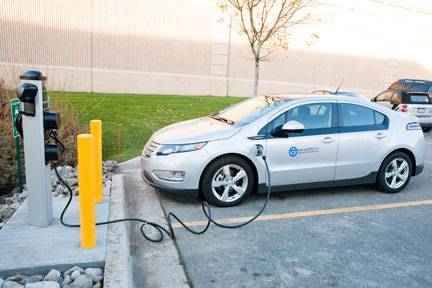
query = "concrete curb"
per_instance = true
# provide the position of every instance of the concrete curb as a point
(132, 261)
(118, 263)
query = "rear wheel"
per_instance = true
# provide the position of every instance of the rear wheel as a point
(395, 173)
(227, 181)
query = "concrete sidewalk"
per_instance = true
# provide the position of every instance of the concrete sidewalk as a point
(30, 250)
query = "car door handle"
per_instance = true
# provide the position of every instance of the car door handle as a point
(380, 136)
(328, 140)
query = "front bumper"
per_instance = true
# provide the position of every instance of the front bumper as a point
(182, 192)
(191, 163)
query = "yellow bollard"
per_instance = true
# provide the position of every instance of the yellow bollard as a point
(96, 132)
(86, 198)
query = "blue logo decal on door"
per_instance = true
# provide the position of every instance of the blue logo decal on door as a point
(293, 151)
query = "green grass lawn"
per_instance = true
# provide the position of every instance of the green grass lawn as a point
(138, 116)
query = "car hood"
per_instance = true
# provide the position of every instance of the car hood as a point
(192, 131)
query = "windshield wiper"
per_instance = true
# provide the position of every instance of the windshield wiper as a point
(222, 119)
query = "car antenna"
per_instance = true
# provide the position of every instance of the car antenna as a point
(340, 84)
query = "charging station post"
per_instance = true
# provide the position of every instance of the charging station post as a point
(34, 102)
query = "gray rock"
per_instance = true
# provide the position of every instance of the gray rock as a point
(43, 284)
(54, 275)
(83, 281)
(74, 268)
(98, 278)
(31, 279)
(23, 195)
(66, 169)
(75, 274)
(11, 284)
(1, 282)
(60, 189)
(94, 273)
(10, 200)
(7, 212)
(97, 285)
(15, 205)
(76, 191)
(16, 278)
(67, 280)
(72, 182)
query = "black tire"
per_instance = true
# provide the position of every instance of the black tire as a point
(428, 129)
(213, 172)
(382, 183)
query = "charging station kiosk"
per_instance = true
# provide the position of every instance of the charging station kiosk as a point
(38, 151)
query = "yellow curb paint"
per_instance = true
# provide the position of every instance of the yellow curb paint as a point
(312, 213)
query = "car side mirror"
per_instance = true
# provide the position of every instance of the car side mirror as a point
(289, 127)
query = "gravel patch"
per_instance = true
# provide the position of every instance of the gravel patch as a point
(83, 278)
(10, 202)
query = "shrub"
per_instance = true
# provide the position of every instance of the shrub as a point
(68, 132)
(8, 167)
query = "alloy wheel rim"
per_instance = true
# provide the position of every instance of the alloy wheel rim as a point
(229, 183)
(396, 173)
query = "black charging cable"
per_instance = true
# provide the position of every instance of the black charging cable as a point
(170, 216)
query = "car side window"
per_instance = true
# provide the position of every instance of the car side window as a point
(355, 118)
(317, 118)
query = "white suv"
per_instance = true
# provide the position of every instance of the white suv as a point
(411, 97)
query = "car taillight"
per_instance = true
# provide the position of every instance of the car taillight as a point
(404, 108)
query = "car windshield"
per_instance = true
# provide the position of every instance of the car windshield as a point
(249, 110)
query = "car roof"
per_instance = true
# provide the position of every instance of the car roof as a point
(415, 80)
(311, 96)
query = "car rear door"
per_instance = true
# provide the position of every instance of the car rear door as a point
(364, 136)
(309, 156)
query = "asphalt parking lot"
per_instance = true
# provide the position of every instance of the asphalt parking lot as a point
(344, 237)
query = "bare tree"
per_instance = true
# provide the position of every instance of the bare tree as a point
(266, 24)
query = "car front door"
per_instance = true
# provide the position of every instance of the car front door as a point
(308, 156)
(364, 135)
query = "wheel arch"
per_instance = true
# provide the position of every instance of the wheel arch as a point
(247, 159)
(409, 153)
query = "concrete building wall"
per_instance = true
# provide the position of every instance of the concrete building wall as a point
(188, 47)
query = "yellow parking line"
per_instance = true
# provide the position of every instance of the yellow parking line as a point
(302, 214)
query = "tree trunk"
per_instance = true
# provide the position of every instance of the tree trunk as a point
(256, 79)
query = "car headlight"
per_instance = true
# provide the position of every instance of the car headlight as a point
(168, 149)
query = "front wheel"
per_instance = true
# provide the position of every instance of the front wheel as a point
(227, 181)
(395, 173)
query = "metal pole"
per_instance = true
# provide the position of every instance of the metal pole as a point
(18, 158)
(228, 58)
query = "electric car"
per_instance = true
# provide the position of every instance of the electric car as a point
(307, 141)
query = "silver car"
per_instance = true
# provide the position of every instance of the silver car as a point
(308, 141)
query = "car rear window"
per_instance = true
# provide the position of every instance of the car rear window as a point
(419, 99)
